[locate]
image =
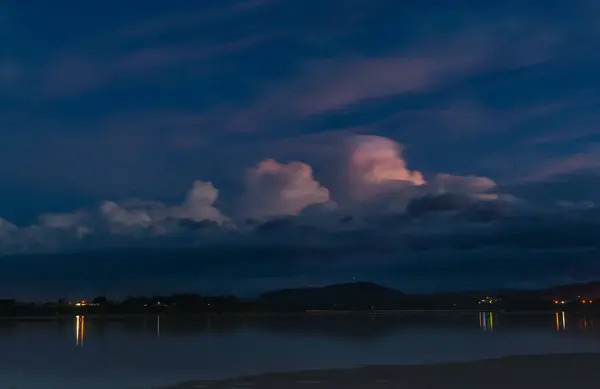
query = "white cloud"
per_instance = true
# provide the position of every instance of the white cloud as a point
(133, 215)
(6, 226)
(376, 166)
(118, 217)
(62, 220)
(380, 180)
(7, 232)
(377, 181)
(376, 160)
(447, 183)
(276, 189)
(199, 204)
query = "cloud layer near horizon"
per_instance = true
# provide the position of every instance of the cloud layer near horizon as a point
(396, 225)
(377, 180)
(286, 204)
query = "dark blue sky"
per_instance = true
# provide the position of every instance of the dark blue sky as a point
(494, 101)
(140, 98)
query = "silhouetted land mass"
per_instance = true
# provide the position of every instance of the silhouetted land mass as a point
(352, 296)
(357, 296)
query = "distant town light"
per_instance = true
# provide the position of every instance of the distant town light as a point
(83, 303)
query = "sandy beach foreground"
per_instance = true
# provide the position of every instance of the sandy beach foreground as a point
(531, 372)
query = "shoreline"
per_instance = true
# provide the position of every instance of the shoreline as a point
(548, 371)
(126, 316)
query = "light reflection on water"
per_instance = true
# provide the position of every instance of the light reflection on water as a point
(148, 352)
(487, 321)
(79, 330)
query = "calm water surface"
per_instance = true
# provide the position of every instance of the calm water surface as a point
(155, 351)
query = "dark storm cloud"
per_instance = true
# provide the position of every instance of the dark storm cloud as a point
(440, 203)
(572, 190)
(513, 253)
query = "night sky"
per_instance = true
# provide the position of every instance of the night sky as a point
(428, 145)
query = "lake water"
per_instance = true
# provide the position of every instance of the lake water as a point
(152, 352)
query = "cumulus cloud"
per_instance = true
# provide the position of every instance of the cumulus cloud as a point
(276, 189)
(447, 183)
(387, 202)
(398, 222)
(199, 204)
(62, 220)
(460, 207)
(131, 218)
(438, 203)
(119, 217)
(6, 226)
(135, 214)
(7, 230)
(376, 165)
(379, 176)
(574, 188)
(377, 160)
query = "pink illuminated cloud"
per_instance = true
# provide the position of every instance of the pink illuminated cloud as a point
(276, 189)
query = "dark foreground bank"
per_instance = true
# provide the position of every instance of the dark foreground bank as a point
(526, 372)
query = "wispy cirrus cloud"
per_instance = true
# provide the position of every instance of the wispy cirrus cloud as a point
(335, 85)
(10, 73)
(574, 163)
(120, 154)
(82, 72)
(179, 22)
(141, 51)
(326, 86)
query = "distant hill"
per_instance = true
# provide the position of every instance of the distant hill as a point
(357, 295)
(365, 296)
(571, 291)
